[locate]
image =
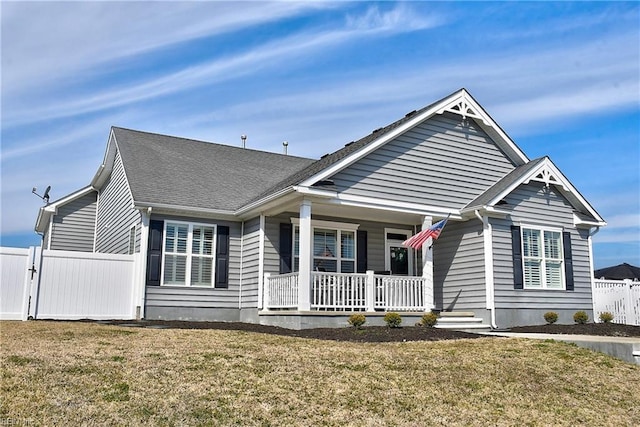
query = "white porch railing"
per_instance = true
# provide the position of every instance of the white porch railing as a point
(350, 292)
(281, 291)
(401, 293)
(338, 291)
(620, 298)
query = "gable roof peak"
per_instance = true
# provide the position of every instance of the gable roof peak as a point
(462, 103)
(542, 170)
(459, 102)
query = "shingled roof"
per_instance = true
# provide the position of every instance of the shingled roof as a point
(184, 172)
(506, 182)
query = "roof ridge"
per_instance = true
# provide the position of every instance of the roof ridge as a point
(200, 141)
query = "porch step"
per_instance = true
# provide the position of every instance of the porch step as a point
(462, 321)
(457, 314)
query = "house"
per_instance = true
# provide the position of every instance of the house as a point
(618, 272)
(236, 234)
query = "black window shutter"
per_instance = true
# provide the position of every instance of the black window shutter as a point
(222, 257)
(568, 261)
(286, 249)
(154, 253)
(516, 249)
(361, 262)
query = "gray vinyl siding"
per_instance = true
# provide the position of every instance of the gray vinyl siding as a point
(250, 263)
(375, 240)
(437, 163)
(115, 213)
(74, 225)
(533, 204)
(272, 241)
(458, 265)
(186, 297)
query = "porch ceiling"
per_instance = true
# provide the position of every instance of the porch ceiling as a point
(362, 213)
(322, 207)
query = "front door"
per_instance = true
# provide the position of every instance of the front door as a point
(397, 257)
(399, 260)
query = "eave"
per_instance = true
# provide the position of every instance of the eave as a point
(165, 208)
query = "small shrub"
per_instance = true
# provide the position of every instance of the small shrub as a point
(429, 320)
(393, 320)
(580, 317)
(606, 317)
(357, 320)
(551, 317)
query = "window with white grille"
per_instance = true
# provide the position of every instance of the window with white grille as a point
(542, 258)
(334, 249)
(188, 254)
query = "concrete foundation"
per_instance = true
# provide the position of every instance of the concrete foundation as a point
(510, 317)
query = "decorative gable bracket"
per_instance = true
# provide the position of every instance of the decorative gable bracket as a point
(547, 176)
(464, 107)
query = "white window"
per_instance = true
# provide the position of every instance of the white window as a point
(334, 247)
(542, 258)
(188, 254)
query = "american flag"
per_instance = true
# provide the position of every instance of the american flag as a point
(418, 240)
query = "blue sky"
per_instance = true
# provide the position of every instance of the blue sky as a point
(562, 79)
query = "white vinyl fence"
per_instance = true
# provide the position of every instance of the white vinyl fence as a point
(620, 298)
(15, 280)
(67, 285)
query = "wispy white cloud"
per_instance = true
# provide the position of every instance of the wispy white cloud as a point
(56, 140)
(45, 42)
(621, 228)
(400, 17)
(269, 54)
(624, 221)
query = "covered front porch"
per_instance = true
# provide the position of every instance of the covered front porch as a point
(366, 292)
(344, 259)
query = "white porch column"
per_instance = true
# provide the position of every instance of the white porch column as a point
(306, 242)
(266, 293)
(370, 292)
(427, 266)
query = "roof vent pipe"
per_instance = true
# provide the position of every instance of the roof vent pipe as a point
(244, 140)
(285, 144)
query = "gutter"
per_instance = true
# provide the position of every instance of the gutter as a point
(182, 209)
(264, 200)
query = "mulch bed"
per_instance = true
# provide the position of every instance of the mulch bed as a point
(365, 334)
(385, 334)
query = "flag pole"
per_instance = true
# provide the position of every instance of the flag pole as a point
(445, 223)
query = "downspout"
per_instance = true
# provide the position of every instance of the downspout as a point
(261, 236)
(415, 253)
(487, 233)
(590, 245)
(141, 282)
(241, 266)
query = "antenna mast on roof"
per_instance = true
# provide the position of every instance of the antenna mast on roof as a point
(285, 144)
(45, 196)
(244, 140)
